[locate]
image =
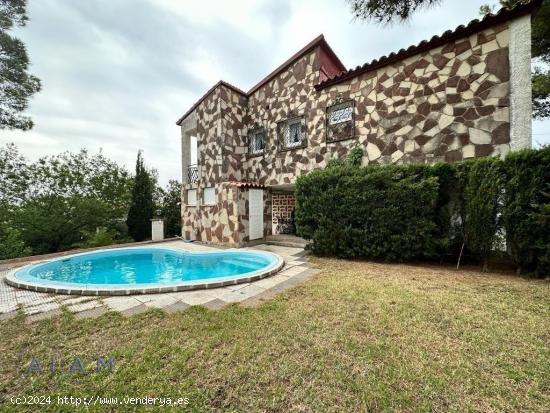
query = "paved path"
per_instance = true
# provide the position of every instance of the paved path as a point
(42, 305)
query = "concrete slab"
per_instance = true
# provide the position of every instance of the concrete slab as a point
(121, 303)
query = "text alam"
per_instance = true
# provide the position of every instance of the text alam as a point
(76, 366)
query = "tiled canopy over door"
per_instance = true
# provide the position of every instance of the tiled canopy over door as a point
(256, 213)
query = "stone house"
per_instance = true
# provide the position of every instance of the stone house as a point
(464, 94)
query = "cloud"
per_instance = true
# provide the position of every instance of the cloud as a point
(117, 74)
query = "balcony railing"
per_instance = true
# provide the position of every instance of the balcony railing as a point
(192, 174)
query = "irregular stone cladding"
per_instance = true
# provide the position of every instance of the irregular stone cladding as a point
(446, 104)
(216, 223)
(226, 221)
(233, 106)
(221, 151)
(291, 93)
(221, 136)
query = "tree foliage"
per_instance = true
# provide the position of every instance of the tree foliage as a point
(16, 84)
(11, 244)
(526, 212)
(387, 11)
(55, 202)
(378, 213)
(170, 208)
(142, 202)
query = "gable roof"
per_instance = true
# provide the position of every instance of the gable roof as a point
(474, 26)
(208, 92)
(319, 41)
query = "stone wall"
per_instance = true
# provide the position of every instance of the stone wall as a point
(216, 223)
(243, 213)
(221, 136)
(447, 104)
(292, 93)
(233, 132)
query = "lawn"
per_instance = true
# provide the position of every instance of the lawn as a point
(356, 337)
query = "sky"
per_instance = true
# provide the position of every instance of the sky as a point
(117, 74)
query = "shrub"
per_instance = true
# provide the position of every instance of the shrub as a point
(482, 195)
(11, 244)
(374, 213)
(102, 236)
(526, 209)
(408, 212)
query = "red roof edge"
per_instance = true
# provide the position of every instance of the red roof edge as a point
(318, 41)
(461, 31)
(244, 184)
(198, 102)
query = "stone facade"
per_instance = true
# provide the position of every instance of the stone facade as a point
(443, 103)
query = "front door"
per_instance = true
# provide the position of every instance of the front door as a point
(256, 213)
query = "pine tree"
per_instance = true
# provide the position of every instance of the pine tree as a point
(141, 204)
(16, 84)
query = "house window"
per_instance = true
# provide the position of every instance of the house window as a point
(256, 142)
(292, 133)
(340, 122)
(209, 196)
(191, 197)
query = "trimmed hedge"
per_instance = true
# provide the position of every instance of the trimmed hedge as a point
(526, 212)
(410, 212)
(351, 212)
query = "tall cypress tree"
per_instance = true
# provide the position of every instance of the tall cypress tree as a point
(141, 205)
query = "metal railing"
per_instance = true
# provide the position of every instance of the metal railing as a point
(192, 174)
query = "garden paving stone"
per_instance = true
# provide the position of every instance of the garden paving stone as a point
(215, 304)
(93, 312)
(160, 301)
(177, 306)
(121, 303)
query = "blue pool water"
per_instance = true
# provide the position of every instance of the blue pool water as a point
(134, 267)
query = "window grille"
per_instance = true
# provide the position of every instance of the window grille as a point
(256, 142)
(292, 133)
(192, 174)
(340, 124)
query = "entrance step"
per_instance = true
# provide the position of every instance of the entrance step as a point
(284, 240)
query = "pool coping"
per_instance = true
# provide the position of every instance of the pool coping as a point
(13, 281)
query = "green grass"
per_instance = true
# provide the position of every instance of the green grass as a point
(357, 337)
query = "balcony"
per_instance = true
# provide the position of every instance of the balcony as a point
(192, 174)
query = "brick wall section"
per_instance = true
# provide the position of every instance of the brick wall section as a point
(283, 205)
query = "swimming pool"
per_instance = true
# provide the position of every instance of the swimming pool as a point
(141, 270)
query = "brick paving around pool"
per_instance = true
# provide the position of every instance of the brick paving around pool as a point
(42, 305)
